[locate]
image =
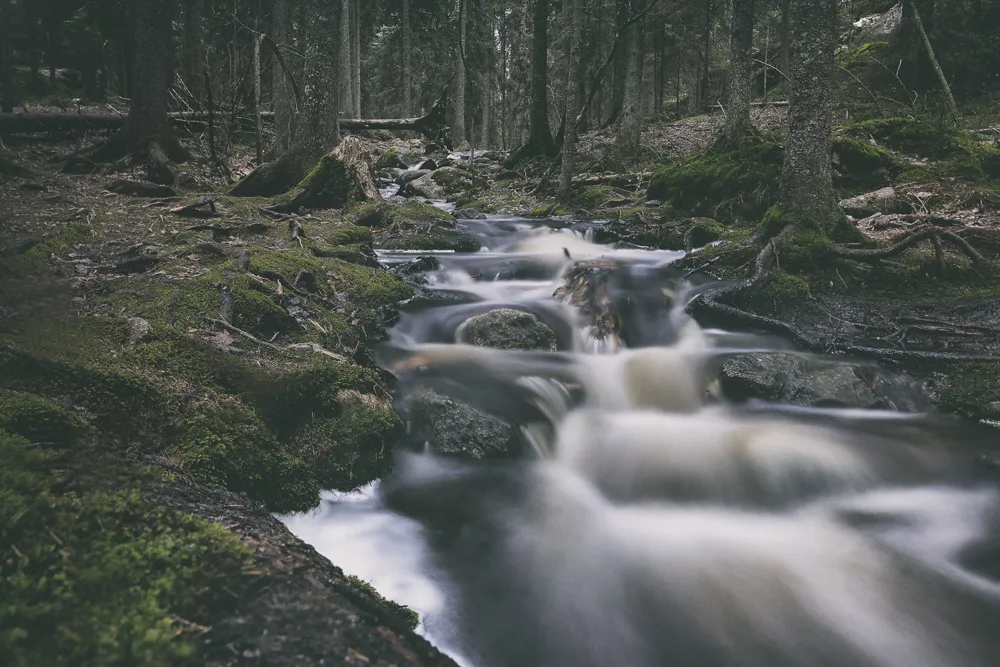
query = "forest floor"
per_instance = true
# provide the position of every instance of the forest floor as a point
(159, 363)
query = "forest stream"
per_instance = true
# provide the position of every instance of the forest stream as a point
(643, 519)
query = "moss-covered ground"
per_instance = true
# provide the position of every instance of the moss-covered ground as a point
(146, 357)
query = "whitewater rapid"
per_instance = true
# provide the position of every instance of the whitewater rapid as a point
(649, 521)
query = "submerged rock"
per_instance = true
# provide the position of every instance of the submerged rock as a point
(507, 329)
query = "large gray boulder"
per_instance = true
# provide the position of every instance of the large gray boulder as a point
(821, 383)
(454, 428)
(424, 186)
(507, 329)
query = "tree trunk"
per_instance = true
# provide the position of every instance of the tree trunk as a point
(786, 37)
(317, 129)
(407, 63)
(705, 87)
(356, 58)
(193, 49)
(345, 78)
(806, 195)
(740, 71)
(621, 56)
(458, 99)
(630, 123)
(486, 104)
(539, 133)
(575, 75)
(146, 134)
(8, 94)
(283, 21)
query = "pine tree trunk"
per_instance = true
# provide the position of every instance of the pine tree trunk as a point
(620, 74)
(407, 63)
(316, 130)
(806, 195)
(539, 132)
(574, 77)
(356, 58)
(8, 95)
(786, 37)
(283, 21)
(486, 104)
(705, 86)
(630, 123)
(346, 86)
(193, 49)
(146, 135)
(458, 99)
(740, 71)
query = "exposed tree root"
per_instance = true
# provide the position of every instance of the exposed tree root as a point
(709, 304)
(922, 233)
(155, 154)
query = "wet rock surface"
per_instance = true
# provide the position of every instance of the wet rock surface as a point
(790, 379)
(508, 329)
(453, 428)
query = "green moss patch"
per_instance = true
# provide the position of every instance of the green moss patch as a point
(726, 181)
(102, 578)
(402, 612)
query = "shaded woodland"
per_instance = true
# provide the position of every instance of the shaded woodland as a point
(194, 197)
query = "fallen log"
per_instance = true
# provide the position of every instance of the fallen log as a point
(431, 125)
(617, 180)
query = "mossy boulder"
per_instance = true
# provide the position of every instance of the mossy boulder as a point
(727, 181)
(452, 179)
(436, 239)
(859, 166)
(390, 159)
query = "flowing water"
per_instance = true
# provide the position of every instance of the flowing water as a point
(648, 521)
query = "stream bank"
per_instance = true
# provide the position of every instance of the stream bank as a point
(220, 367)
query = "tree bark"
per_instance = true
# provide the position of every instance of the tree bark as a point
(146, 134)
(406, 58)
(575, 75)
(705, 87)
(193, 50)
(539, 132)
(317, 129)
(740, 71)
(630, 123)
(356, 58)
(8, 95)
(283, 21)
(806, 195)
(458, 99)
(345, 78)
(786, 37)
(619, 76)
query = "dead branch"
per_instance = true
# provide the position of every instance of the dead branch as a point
(199, 209)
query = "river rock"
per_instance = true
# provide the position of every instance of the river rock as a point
(424, 186)
(507, 329)
(429, 164)
(452, 179)
(453, 428)
(408, 176)
(777, 377)
(469, 214)
(870, 203)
